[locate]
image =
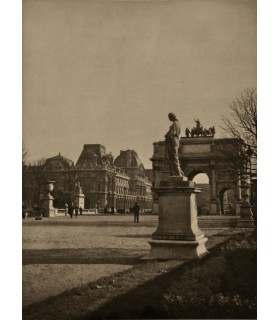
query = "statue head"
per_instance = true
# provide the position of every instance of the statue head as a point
(172, 116)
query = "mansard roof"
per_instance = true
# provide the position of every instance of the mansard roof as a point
(128, 158)
(61, 159)
(91, 155)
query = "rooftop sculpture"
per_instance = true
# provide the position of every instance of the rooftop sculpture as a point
(200, 131)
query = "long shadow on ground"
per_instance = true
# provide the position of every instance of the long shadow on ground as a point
(82, 256)
(80, 223)
(220, 286)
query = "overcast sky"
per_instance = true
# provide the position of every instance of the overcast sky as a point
(109, 72)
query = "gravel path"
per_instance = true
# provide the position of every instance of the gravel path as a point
(61, 253)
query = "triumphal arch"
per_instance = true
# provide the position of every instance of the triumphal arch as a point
(219, 159)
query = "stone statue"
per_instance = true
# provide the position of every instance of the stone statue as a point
(156, 149)
(212, 130)
(206, 132)
(198, 130)
(79, 188)
(172, 146)
(198, 125)
(108, 159)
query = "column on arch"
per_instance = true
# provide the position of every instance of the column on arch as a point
(214, 202)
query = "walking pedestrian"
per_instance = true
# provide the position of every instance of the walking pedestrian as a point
(70, 210)
(136, 211)
(76, 211)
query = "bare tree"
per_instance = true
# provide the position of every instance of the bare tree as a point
(241, 124)
(34, 177)
(24, 175)
(25, 153)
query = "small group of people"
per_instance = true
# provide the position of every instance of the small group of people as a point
(110, 210)
(72, 209)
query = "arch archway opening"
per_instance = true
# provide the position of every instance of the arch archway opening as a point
(198, 176)
(201, 180)
(227, 201)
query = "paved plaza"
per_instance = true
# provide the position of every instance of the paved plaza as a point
(61, 253)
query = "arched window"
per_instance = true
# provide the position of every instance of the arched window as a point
(227, 201)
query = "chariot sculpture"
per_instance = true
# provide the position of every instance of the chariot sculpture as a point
(199, 131)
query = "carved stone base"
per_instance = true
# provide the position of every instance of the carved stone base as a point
(178, 235)
(245, 223)
(48, 209)
(155, 207)
(246, 217)
(49, 213)
(177, 250)
(79, 200)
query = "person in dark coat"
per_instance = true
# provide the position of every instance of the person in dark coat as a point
(71, 210)
(76, 211)
(136, 211)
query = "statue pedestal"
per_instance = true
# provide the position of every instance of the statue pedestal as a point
(48, 209)
(246, 222)
(79, 199)
(246, 216)
(155, 207)
(178, 235)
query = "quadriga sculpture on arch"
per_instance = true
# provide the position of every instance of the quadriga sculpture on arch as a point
(199, 130)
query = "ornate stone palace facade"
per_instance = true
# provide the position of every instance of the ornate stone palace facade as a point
(105, 182)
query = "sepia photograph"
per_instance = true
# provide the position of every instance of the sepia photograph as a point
(139, 159)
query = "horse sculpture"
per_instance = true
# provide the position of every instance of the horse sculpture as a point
(206, 132)
(199, 131)
(212, 130)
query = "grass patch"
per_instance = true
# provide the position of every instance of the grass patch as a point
(223, 287)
